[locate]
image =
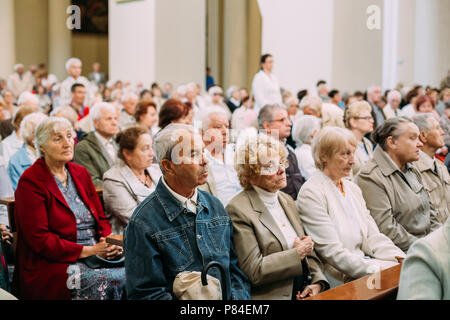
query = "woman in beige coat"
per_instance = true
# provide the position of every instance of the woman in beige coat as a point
(268, 233)
(392, 187)
(334, 213)
(134, 178)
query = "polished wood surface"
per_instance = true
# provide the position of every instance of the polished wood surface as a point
(383, 285)
(10, 203)
(115, 239)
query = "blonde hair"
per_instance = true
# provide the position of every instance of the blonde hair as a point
(255, 152)
(354, 111)
(328, 142)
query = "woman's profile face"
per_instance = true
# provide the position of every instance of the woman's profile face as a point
(273, 175)
(142, 156)
(363, 123)
(341, 163)
(59, 146)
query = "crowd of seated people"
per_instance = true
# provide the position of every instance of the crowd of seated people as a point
(292, 193)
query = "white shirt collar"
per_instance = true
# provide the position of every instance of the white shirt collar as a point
(102, 140)
(184, 201)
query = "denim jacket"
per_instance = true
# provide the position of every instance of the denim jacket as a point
(163, 239)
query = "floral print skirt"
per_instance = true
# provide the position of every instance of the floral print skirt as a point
(95, 284)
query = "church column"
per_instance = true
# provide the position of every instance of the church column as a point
(59, 37)
(7, 49)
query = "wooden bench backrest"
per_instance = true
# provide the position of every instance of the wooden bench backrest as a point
(383, 285)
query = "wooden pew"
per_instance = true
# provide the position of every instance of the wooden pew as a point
(359, 289)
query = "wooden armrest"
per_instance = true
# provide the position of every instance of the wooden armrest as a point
(7, 201)
(10, 204)
(116, 240)
(385, 287)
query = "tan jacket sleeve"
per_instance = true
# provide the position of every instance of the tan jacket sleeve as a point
(378, 203)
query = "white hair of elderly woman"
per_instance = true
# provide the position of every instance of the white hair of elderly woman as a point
(46, 128)
(166, 139)
(27, 98)
(73, 60)
(231, 90)
(313, 102)
(303, 129)
(205, 116)
(66, 112)
(394, 94)
(215, 89)
(29, 125)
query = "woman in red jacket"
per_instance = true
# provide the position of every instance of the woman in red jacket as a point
(61, 227)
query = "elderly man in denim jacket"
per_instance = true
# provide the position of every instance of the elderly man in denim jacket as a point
(178, 227)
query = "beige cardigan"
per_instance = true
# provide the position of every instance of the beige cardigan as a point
(261, 247)
(348, 242)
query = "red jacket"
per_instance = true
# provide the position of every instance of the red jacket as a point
(47, 231)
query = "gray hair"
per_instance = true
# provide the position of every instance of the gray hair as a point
(73, 60)
(266, 114)
(312, 102)
(96, 111)
(27, 98)
(66, 112)
(215, 89)
(372, 88)
(205, 115)
(128, 96)
(29, 124)
(392, 94)
(421, 121)
(46, 128)
(166, 139)
(231, 90)
(390, 127)
(303, 129)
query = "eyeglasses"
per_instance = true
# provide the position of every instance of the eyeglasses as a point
(273, 167)
(365, 118)
(218, 94)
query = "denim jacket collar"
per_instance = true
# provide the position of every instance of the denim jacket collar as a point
(172, 206)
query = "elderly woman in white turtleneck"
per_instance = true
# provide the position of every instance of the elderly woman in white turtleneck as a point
(335, 215)
(270, 243)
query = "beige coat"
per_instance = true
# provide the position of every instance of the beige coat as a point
(346, 237)
(401, 209)
(123, 192)
(261, 247)
(436, 183)
(359, 158)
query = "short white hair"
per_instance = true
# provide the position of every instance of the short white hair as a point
(303, 129)
(372, 88)
(313, 102)
(128, 96)
(214, 89)
(206, 113)
(27, 98)
(422, 121)
(181, 90)
(17, 66)
(393, 94)
(46, 128)
(231, 90)
(73, 60)
(98, 108)
(29, 124)
(66, 112)
(166, 139)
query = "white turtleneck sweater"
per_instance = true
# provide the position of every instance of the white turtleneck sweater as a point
(273, 205)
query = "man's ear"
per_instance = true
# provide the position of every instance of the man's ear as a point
(423, 137)
(167, 166)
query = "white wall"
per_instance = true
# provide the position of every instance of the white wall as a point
(180, 50)
(432, 38)
(299, 34)
(132, 41)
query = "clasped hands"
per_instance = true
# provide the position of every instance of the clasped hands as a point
(305, 247)
(102, 249)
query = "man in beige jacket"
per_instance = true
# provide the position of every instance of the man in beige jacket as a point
(435, 176)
